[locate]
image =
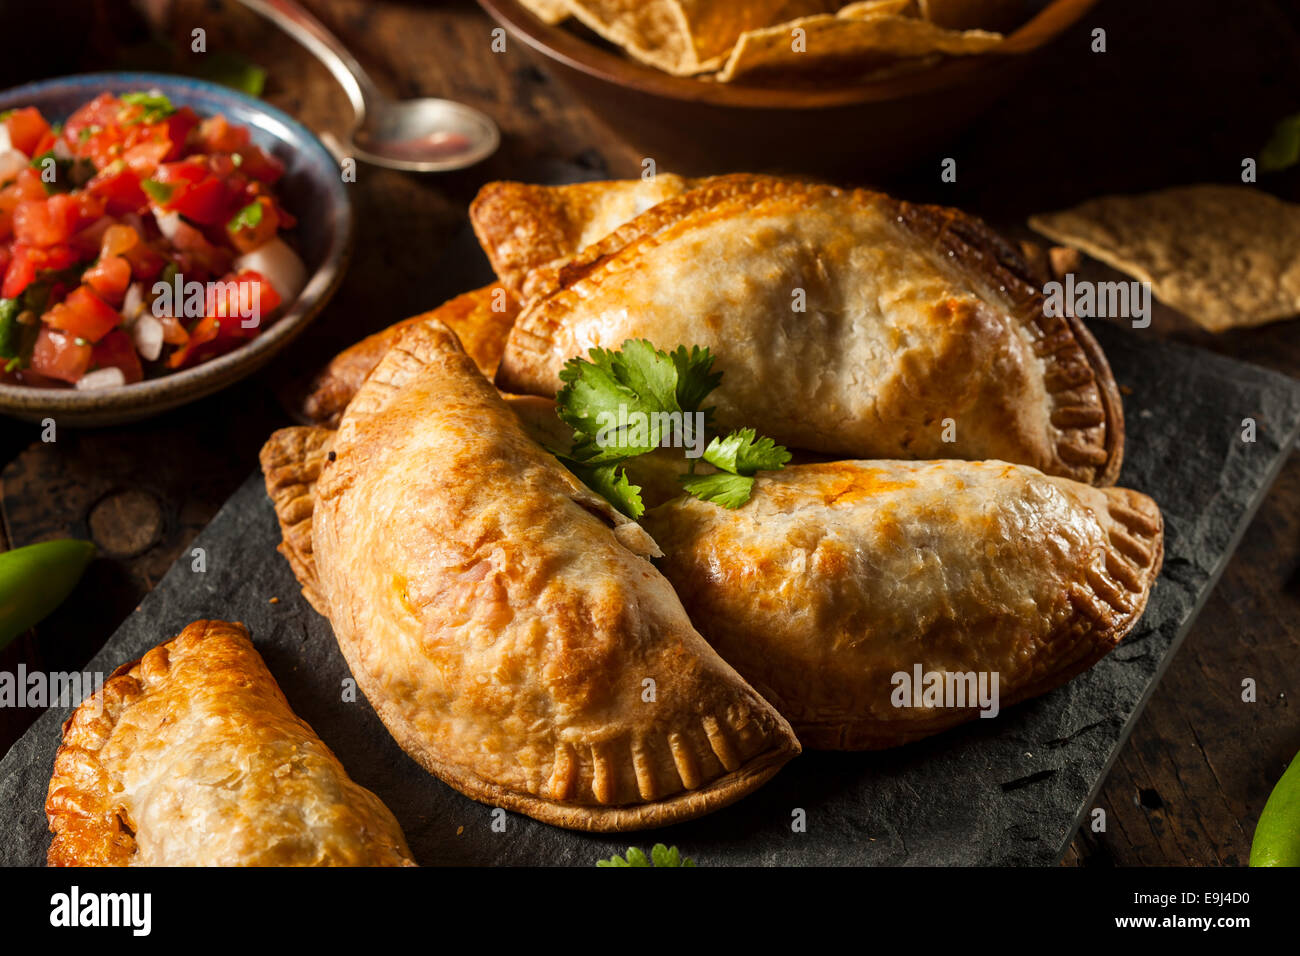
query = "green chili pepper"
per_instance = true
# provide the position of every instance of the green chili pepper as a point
(1277, 835)
(36, 579)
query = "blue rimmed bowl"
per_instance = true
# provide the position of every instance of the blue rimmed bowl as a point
(312, 189)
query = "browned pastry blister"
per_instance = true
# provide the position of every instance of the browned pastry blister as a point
(846, 322)
(191, 756)
(836, 577)
(523, 227)
(504, 621)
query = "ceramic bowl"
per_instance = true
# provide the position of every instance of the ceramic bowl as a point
(312, 189)
(859, 131)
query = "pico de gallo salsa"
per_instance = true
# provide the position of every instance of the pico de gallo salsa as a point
(103, 215)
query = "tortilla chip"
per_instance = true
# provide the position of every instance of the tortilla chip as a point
(1225, 256)
(685, 37)
(548, 11)
(835, 44)
(872, 8)
(975, 14)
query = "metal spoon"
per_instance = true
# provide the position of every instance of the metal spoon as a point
(424, 135)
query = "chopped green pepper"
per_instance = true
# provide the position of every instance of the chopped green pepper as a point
(1277, 835)
(36, 579)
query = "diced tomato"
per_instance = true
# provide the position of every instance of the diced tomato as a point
(258, 164)
(179, 175)
(246, 238)
(206, 203)
(118, 239)
(27, 185)
(83, 314)
(146, 262)
(119, 187)
(216, 135)
(109, 278)
(199, 258)
(196, 193)
(27, 128)
(174, 332)
(46, 222)
(116, 350)
(20, 273)
(202, 344)
(101, 112)
(143, 158)
(58, 355)
(267, 298)
(177, 128)
(86, 241)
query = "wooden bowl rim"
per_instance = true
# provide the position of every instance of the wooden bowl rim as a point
(558, 44)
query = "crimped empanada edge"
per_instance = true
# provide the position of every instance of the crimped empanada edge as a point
(291, 461)
(594, 818)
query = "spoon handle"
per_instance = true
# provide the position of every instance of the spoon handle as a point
(294, 19)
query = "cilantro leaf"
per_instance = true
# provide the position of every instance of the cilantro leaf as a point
(158, 192)
(157, 107)
(619, 402)
(743, 453)
(695, 377)
(610, 481)
(627, 402)
(660, 855)
(250, 217)
(730, 491)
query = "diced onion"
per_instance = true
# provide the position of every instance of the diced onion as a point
(168, 223)
(11, 161)
(147, 334)
(102, 378)
(278, 265)
(133, 302)
(62, 150)
(6, 143)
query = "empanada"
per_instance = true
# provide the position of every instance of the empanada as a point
(835, 577)
(504, 621)
(191, 756)
(481, 320)
(846, 322)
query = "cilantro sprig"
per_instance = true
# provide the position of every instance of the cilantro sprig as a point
(625, 403)
(660, 855)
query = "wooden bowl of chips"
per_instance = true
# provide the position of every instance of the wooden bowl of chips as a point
(700, 94)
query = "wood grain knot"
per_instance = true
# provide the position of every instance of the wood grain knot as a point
(126, 523)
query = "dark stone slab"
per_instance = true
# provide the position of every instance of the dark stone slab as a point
(1005, 791)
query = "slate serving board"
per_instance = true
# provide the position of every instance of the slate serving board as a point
(1005, 791)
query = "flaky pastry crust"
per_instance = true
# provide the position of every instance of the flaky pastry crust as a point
(836, 576)
(191, 756)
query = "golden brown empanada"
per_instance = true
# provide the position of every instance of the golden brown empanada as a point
(191, 756)
(481, 320)
(918, 325)
(504, 621)
(835, 577)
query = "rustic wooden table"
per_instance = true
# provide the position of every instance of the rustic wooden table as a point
(1183, 93)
